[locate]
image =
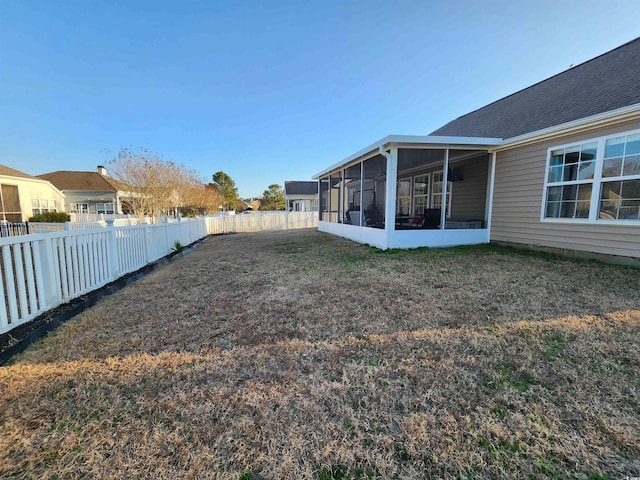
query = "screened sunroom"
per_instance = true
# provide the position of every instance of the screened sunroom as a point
(411, 191)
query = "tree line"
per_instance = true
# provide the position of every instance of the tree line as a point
(154, 186)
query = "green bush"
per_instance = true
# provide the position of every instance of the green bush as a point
(51, 217)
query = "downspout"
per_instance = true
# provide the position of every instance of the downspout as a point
(390, 193)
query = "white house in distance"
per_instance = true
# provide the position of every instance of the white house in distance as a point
(301, 196)
(556, 165)
(89, 192)
(23, 195)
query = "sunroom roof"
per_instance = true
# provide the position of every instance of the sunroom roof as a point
(422, 140)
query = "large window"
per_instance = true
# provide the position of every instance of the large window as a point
(570, 181)
(436, 195)
(424, 191)
(620, 191)
(79, 208)
(39, 206)
(594, 180)
(420, 193)
(106, 208)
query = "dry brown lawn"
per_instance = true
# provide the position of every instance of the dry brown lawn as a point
(295, 355)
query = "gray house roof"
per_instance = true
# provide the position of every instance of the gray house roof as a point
(604, 83)
(300, 188)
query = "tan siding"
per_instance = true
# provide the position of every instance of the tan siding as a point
(468, 199)
(517, 203)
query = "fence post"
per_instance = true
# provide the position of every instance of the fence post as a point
(112, 251)
(67, 226)
(147, 242)
(46, 260)
(165, 227)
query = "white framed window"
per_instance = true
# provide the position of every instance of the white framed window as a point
(79, 208)
(420, 193)
(40, 205)
(105, 208)
(570, 174)
(594, 180)
(436, 194)
(403, 204)
(620, 188)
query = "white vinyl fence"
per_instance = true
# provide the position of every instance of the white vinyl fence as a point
(261, 221)
(43, 270)
(101, 217)
(45, 227)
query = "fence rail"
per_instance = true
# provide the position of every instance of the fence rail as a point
(40, 271)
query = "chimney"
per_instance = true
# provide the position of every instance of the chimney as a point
(102, 170)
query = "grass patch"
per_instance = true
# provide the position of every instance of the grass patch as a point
(554, 344)
(301, 355)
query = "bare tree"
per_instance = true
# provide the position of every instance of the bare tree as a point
(154, 186)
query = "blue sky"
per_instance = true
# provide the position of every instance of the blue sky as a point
(269, 91)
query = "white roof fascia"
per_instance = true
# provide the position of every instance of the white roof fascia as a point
(631, 112)
(426, 140)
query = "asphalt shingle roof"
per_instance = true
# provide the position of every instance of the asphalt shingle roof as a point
(604, 83)
(12, 172)
(70, 180)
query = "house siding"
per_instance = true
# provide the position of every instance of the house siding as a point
(90, 197)
(517, 202)
(28, 190)
(468, 199)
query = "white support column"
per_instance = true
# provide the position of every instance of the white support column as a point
(490, 182)
(390, 194)
(361, 194)
(445, 185)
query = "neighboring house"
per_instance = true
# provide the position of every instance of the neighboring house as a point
(89, 192)
(23, 195)
(241, 205)
(301, 196)
(254, 205)
(554, 165)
